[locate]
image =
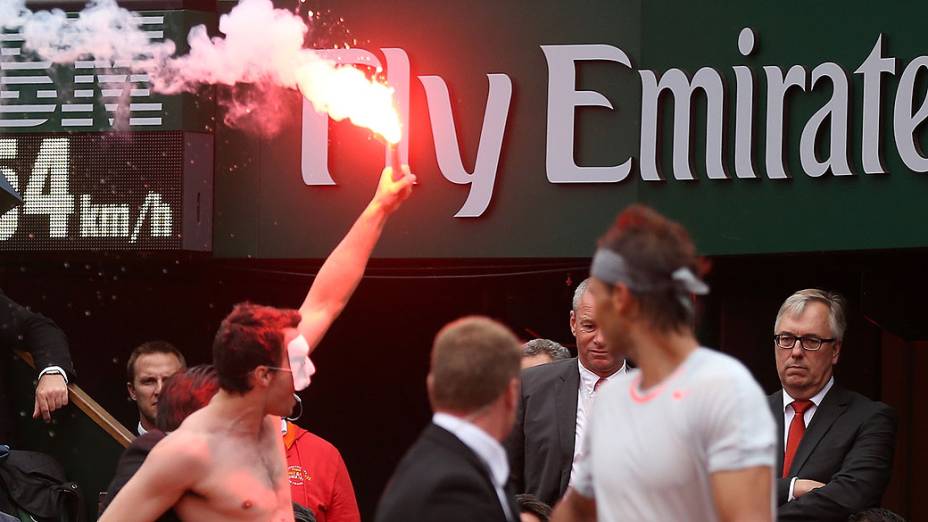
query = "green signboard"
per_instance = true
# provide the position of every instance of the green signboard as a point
(763, 127)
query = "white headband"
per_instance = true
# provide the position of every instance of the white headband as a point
(610, 267)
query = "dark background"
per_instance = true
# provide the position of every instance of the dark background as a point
(368, 397)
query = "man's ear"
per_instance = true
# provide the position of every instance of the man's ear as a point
(512, 392)
(835, 356)
(573, 323)
(131, 389)
(429, 387)
(261, 375)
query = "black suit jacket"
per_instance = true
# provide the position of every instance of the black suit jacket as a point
(130, 462)
(848, 446)
(36, 334)
(541, 446)
(441, 480)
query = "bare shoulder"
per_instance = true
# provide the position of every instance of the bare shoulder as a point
(185, 449)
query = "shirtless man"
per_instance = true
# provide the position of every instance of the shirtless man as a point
(227, 460)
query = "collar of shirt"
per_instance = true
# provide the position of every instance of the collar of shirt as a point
(816, 400)
(141, 430)
(480, 442)
(588, 379)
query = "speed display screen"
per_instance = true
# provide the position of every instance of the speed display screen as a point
(94, 191)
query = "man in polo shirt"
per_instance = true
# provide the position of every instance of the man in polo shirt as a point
(685, 435)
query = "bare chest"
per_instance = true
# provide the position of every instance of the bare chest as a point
(245, 482)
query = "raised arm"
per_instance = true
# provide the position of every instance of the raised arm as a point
(342, 271)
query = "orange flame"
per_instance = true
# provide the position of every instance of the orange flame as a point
(344, 92)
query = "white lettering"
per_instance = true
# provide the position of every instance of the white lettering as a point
(836, 111)
(682, 89)
(904, 122)
(447, 150)
(563, 99)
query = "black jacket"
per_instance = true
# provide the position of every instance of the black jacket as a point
(848, 446)
(129, 463)
(441, 480)
(541, 446)
(36, 483)
(36, 334)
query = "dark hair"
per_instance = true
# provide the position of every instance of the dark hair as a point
(184, 393)
(654, 245)
(149, 348)
(473, 361)
(250, 336)
(875, 515)
(545, 347)
(529, 503)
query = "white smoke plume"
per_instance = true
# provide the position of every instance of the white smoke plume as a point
(260, 46)
(103, 30)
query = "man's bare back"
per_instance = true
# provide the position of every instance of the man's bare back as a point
(221, 464)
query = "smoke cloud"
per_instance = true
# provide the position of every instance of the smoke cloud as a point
(259, 45)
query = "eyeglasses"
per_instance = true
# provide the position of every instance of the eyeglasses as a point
(278, 368)
(808, 343)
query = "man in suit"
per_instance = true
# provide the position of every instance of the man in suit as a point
(22, 329)
(686, 435)
(835, 446)
(182, 394)
(556, 399)
(542, 351)
(457, 470)
(149, 366)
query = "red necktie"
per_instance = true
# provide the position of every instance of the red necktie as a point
(600, 382)
(797, 428)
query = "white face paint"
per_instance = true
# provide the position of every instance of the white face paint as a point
(302, 368)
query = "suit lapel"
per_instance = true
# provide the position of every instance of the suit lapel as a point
(513, 505)
(833, 405)
(776, 407)
(449, 440)
(565, 403)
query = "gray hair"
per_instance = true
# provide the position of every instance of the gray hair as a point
(545, 347)
(578, 293)
(796, 303)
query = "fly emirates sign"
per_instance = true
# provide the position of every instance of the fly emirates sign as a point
(830, 124)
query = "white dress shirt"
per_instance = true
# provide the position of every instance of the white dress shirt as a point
(141, 430)
(788, 415)
(488, 449)
(585, 396)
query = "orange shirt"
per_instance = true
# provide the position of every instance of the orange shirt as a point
(318, 477)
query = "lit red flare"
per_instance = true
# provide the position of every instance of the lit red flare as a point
(345, 92)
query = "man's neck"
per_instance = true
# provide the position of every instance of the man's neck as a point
(603, 374)
(240, 414)
(807, 392)
(660, 353)
(146, 424)
(483, 419)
